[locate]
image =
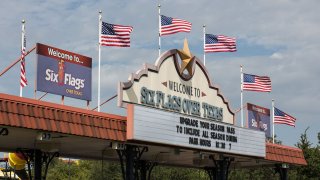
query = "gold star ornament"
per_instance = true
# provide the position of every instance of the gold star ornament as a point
(187, 59)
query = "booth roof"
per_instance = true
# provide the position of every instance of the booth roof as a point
(34, 114)
(44, 116)
(285, 154)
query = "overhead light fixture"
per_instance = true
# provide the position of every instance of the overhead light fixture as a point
(117, 145)
(44, 136)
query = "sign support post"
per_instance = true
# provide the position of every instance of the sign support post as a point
(15, 62)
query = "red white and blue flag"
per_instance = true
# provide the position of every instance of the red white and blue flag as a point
(171, 25)
(219, 43)
(256, 83)
(115, 35)
(23, 78)
(281, 117)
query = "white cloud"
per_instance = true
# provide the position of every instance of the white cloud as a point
(276, 56)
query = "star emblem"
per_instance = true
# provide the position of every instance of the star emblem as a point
(187, 59)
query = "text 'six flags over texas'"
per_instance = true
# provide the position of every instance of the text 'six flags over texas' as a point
(256, 83)
(281, 117)
(171, 25)
(219, 43)
(115, 35)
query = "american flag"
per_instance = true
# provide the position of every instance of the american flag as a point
(219, 43)
(171, 25)
(281, 117)
(256, 83)
(115, 35)
(23, 78)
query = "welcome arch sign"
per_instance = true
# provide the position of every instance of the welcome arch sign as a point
(174, 102)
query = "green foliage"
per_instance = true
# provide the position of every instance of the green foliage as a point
(101, 170)
(276, 141)
(84, 169)
(259, 173)
(170, 173)
(65, 170)
(98, 170)
(312, 156)
(304, 143)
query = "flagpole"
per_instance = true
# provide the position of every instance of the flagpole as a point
(22, 51)
(272, 121)
(15, 62)
(159, 6)
(241, 106)
(99, 66)
(204, 42)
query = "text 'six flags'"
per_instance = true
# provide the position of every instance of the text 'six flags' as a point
(281, 117)
(115, 35)
(256, 83)
(219, 43)
(171, 25)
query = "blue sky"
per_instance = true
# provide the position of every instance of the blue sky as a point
(277, 38)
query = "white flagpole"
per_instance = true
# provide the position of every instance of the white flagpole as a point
(272, 121)
(241, 106)
(22, 51)
(100, 26)
(159, 6)
(204, 42)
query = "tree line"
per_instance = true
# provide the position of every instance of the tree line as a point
(101, 170)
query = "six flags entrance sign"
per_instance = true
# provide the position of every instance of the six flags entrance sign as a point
(177, 86)
(64, 73)
(175, 103)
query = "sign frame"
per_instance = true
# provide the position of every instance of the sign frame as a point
(149, 69)
(64, 73)
(216, 137)
(263, 123)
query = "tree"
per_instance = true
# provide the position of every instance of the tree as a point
(65, 169)
(100, 170)
(176, 173)
(312, 156)
(83, 169)
(263, 172)
(276, 141)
